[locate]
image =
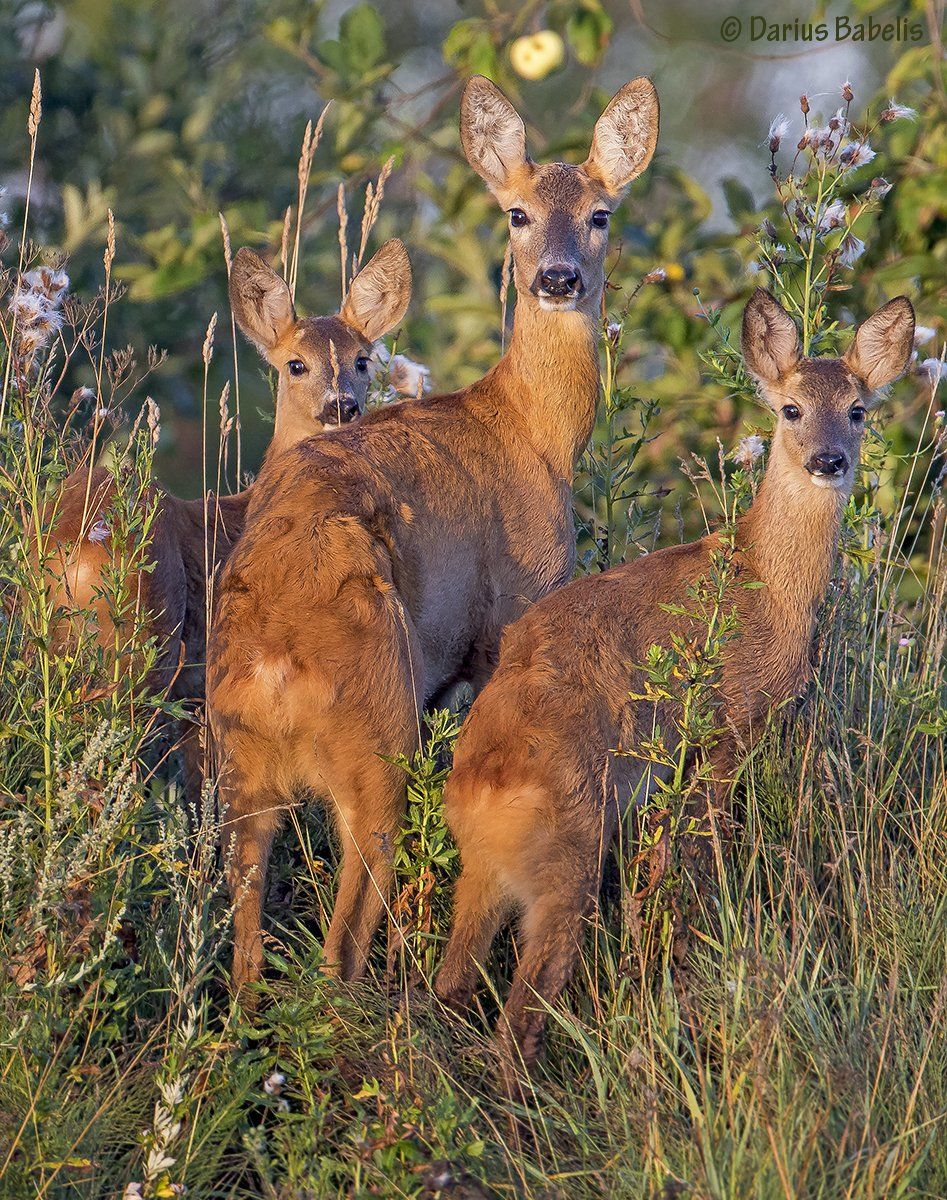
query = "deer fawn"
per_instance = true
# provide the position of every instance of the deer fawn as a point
(379, 566)
(323, 383)
(537, 789)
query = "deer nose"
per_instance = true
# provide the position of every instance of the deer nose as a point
(348, 409)
(560, 281)
(827, 463)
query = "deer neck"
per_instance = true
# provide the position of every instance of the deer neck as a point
(790, 539)
(289, 429)
(548, 380)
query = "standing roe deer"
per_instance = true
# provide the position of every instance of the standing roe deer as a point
(380, 566)
(323, 383)
(537, 789)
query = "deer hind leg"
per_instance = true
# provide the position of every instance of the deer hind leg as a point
(557, 883)
(369, 804)
(479, 908)
(253, 801)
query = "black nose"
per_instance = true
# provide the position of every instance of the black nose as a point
(348, 409)
(560, 281)
(827, 463)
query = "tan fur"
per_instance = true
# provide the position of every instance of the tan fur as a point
(173, 595)
(380, 566)
(537, 789)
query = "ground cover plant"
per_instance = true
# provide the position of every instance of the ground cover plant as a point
(782, 1034)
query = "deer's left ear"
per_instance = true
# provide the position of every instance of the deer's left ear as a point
(882, 347)
(625, 136)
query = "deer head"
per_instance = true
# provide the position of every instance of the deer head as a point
(322, 361)
(821, 403)
(559, 214)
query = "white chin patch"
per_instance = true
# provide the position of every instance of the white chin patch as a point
(548, 305)
(828, 481)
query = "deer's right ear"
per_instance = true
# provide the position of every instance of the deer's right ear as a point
(261, 301)
(492, 133)
(770, 340)
(379, 295)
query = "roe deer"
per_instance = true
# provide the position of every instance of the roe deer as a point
(537, 789)
(379, 566)
(323, 383)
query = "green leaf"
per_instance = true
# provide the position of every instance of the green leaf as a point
(362, 34)
(588, 31)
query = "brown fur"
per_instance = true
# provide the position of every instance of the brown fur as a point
(173, 595)
(380, 566)
(537, 789)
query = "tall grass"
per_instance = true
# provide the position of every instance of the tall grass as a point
(796, 1048)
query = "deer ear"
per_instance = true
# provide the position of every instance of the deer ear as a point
(883, 344)
(379, 294)
(261, 302)
(770, 341)
(625, 136)
(492, 132)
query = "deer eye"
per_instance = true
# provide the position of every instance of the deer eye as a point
(518, 218)
(858, 413)
(791, 412)
(361, 363)
(600, 218)
(297, 366)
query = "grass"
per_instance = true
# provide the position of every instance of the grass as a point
(796, 1049)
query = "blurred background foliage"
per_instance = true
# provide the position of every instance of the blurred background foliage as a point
(173, 111)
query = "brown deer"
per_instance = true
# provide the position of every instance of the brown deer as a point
(323, 365)
(540, 784)
(379, 566)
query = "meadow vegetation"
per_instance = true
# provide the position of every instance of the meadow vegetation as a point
(783, 1035)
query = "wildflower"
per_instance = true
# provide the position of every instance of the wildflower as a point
(753, 268)
(923, 334)
(655, 275)
(408, 378)
(273, 1084)
(749, 450)
(777, 256)
(132, 1191)
(839, 123)
(904, 642)
(804, 104)
(845, 91)
(833, 216)
(850, 250)
(935, 368)
(27, 306)
(898, 112)
(880, 187)
(613, 332)
(768, 229)
(99, 532)
(46, 281)
(940, 416)
(859, 154)
(778, 128)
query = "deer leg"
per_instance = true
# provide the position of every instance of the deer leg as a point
(479, 908)
(551, 936)
(253, 811)
(191, 743)
(369, 807)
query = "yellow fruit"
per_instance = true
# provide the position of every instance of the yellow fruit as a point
(674, 272)
(537, 54)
